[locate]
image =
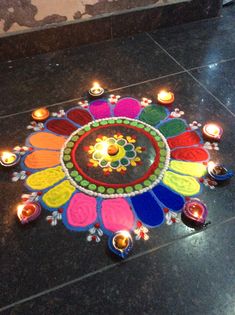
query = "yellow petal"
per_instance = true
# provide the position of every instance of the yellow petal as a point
(185, 185)
(59, 195)
(188, 168)
(46, 178)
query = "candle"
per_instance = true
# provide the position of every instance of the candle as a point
(219, 172)
(40, 114)
(121, 243)
(195, 212)
(165, 98)
(212, 132)
(28, 212)
(96, 90)
(9, 159)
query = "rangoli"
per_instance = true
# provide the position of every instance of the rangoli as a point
(114, 165)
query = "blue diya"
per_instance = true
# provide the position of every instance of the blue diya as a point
(121, 243)
(219, 172)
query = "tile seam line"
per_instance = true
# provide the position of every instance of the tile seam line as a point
(80, 98)
(111, 266)
(191, 75)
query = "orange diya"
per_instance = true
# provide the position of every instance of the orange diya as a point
(165, 98)
(40, 114)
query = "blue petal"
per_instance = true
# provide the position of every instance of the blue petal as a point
(148, 209)
(169, 198)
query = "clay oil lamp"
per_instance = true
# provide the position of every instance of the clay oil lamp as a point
(212, 132)
(9, 159)
(219, 172)
(194, 213)
(40, 114)
(96, 91)
(28, 212)
(121, 243)
(113, 149)
(165, 98)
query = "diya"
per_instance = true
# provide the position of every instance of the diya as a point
(28, 212)
(165, 98)
(194, 212)
(9, 159)
(212, 132)
(96, 90)
(219, 172)
(40, 114)
(121, 243)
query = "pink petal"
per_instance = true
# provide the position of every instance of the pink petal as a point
(81, 210)
(117, 215)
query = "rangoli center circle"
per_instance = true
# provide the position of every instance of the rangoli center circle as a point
(115, 157)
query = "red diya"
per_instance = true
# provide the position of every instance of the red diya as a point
(195, 211)
(28, 212)
(165, 98)
(212, 132)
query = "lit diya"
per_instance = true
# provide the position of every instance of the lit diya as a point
(96, 90)
(40, 114)
(113, 149)
(165, 98)
(9, 159)
(121, 243)
(212, 132)
(195, 212)
(28, 212)
(219, 172)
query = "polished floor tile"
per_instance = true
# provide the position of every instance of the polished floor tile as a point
(219, 78)
(64, 255)
(199, 43)
(193, 276)
(64, 75)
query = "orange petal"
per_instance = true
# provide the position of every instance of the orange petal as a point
(46, 140)
(42, 159)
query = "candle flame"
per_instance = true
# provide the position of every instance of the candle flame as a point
(211, 165)
(6, 155)
(96, 85)
(212, 129)
(19, 211)
(196, 215)
(164, 95)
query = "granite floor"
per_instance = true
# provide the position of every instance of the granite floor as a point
(181, 271)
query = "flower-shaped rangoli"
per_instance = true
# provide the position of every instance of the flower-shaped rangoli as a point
(153, 161)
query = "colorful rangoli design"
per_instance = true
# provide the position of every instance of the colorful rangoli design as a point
(114, 166)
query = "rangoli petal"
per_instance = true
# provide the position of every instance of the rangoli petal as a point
(148, 209)
(172, 127)
(188, 168)
(169, 198)
(58, 195)
(185, 185)
(42, 159)
(127, 107)
(117, 215)
(81, 211)
(194, 154)
(46, 140)
(60, 126)
(46, 178)
(100, 109)
(186, 139)
(79, 116)
(153, 114)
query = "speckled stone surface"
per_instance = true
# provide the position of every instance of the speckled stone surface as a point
(175, 272)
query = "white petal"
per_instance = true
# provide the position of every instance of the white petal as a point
(100, 232)
(92, 230)
(146, 237)
(169, 222)
(97, 239)
(15, 179)
(49, 217)
(53, 222)
(89, 238)
(137, 237)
